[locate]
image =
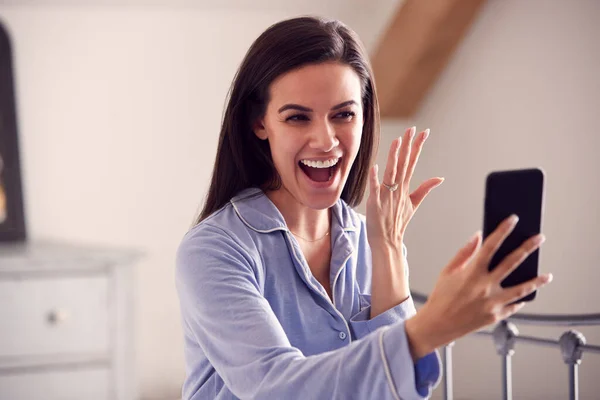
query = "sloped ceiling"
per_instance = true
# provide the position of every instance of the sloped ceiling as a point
(415, 47)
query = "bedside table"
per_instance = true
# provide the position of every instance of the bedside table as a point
(66, 328)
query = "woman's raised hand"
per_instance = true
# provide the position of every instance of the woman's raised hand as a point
(467, 296)
(391, 206)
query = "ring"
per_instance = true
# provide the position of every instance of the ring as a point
(391, 188)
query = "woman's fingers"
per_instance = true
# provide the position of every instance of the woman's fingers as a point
(509, 310)
(399, 159)
(414, 154)
(404, 156)
(514, 293)
(389, 175)
(465, 253)
(514, 259)
(423, 190)
(374, 183)
(494, 240)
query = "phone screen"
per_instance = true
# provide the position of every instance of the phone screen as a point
(519, 192)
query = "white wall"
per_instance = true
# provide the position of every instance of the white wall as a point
(119, 111)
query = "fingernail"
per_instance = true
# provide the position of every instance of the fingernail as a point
(549, 278)
(412, 131)
(426, 134)
(513, 219)
(474, 238)
(539, 239)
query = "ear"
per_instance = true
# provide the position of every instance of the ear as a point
(259, 129)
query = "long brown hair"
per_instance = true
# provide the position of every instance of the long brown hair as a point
(243, 160)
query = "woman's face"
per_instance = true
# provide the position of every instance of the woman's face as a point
(313, 123)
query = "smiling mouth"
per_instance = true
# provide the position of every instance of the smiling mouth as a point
(319, 173)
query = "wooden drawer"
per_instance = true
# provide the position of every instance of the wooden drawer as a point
(88, 384)
(53, 316)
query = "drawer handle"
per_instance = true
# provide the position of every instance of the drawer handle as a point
(56, 317)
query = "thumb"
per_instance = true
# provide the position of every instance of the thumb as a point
(464, 254)
(423, 190)
(374, 183)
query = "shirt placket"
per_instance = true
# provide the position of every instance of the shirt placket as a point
(306, 275)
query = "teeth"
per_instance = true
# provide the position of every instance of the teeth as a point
(320, 164)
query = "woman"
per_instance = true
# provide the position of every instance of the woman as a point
(285, 291)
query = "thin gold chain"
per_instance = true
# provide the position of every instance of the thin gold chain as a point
(309, 240)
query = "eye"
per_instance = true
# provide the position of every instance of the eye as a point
(346, 115)
(297, 117)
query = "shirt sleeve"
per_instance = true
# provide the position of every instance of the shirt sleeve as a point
(427, 369)
(362, 324)
(227, 317)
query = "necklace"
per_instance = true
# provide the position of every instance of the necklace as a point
(310, 240)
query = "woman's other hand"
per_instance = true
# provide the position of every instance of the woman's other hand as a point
(468, 297)
(388, 215)
(390, 211)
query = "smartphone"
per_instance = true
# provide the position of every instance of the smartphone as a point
(519, 192)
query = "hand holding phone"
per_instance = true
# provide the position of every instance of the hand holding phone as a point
(519, 192)
(468, 297)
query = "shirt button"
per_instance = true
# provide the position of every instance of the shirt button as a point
(342, 335)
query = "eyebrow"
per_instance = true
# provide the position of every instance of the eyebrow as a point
(306, 109)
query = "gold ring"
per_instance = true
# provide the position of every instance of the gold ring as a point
(391, 188)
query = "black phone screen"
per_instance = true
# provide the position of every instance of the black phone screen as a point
(519, 192)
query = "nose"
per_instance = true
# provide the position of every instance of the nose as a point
(324, 138)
